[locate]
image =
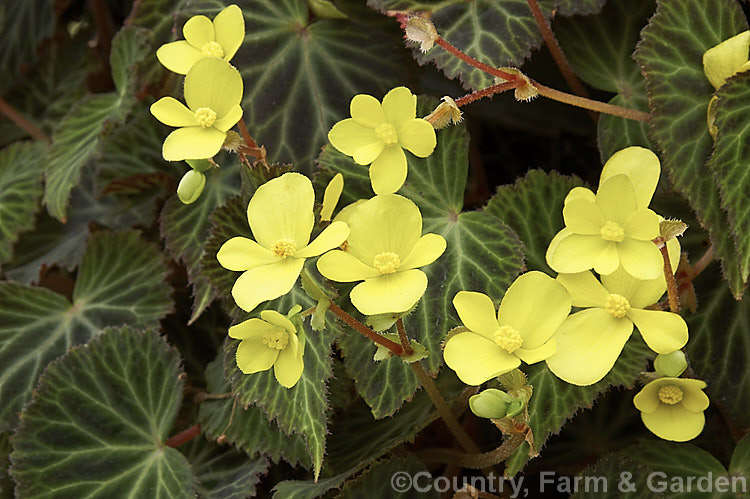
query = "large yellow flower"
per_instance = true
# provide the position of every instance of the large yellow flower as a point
(385, 249)
(377, 133)
(280, 215)
(613, 227)
(589, 341)
(213, 91)
(270, 341)
(531, 311)
(672, 408)
(203, 38)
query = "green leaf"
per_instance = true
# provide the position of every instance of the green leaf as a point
(533, 208)
(22, 26)
(578, 7)
(614, 133)
(670, 55)
(250, 431)
(740, 464)
(378, 481)
(21, 166)
(6, 483)
(223, 473)
(120, 280)
(97, 423)
(297, 489)
(76, 139)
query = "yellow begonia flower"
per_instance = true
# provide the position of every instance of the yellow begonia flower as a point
(589, 341)
(331, 197)
(531, 311)
(281, 217)
(213, 91)
(613, 227)
(270, 341)
(672, 408)
(203, 38)
(377, 133)
(727, 59)
(385, 249)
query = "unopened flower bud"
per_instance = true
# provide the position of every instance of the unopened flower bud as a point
(670, 365)
(422, 31)
(232, 141)
(491, 403)
(447, 113)
(669, 229)
(199, 165)
(524, 93)
(191, 186)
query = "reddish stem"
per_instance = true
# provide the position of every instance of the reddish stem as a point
(701, 264)
(365, 331)
(674, 299)
(473, 62)
(246, 135)
(184, 436)
(486, 92)
(22, 122)
(408, 350)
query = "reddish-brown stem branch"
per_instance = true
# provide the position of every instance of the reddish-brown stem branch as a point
(486, 92)
(246, 135)
(408, 350)
(365, 331)
(474, 460)
(22, 122)
(701, 264)
(674, 298)
(592, 105)
(473, 62)
(184, 436)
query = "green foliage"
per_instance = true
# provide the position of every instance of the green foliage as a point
(23, 26)
(372, 482)
(98, 420)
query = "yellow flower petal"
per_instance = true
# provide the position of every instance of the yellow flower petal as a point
(250, 328)
(266, 283)
(418, 137)
(289, 365)
(198, 31)
(348, 136)
(229, 120)
(477, 313)
(276, 319)
(347, 211)
(253, 356)
(580, 193)
(642, 225)
(535, 305)
(476, 359)
(282, 208)
(427, 249)
(369, 153)
(400, 106)
(571, 253)
(331, 197)
(723, 60)
(693, 398)
(616, 198)
(331, 237)
(172, 112)
(241, 253)
(608, 260)
(641, 259)
(640, 293)
(663, 332)
(229, 30)
(534, 355)
(215, 84)
(588, 344)
(647, 400)
(583, 216)
(192, 143)
(641, 166)
(178, 56)
(673, 422)
(584, 289)
(389, 293)
(340, 266)
(366, 110)
(388, 171)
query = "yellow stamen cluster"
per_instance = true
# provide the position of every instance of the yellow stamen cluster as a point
(508, 338)
(205, 116)
(278, 339)
(284, 247)
(617, 306)
(387, 134)
(670, 394)
(386, 263)
(611, 231)
(212, 49)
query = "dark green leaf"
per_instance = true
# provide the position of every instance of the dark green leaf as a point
(98, 420)
(22, 26)
(614, 133)
(378, 480)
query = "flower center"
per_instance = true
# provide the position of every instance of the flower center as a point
(617, 306)
(670, 394)
(277, 339)
(508, 338)
(386, 263)
(284, 248)
(611, 231)
(387, 134)
(205, 116)
(212, 49)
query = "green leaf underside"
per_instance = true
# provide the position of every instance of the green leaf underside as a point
(250, 431)
(98, 420)
(77, 137)
(21, 166)
(23, 26)
(670, 55)
(120, 281)
(376, 481)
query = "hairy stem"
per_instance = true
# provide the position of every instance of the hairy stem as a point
(408, 350)
(486, 92)
(674, 299)
(701, 264)
(22, 122)
(473, 62)
(365, 331)
(184, 436)
(590, 104)
(474, 460)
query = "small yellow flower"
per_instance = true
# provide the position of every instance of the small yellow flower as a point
(203, 38)
(270, 341)
(672, 408)
(590, 341)
(385, 249)
(727, 59)
(280, 215)
(213, 91)
(613, 227)
(378, 133)
(531, 311)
